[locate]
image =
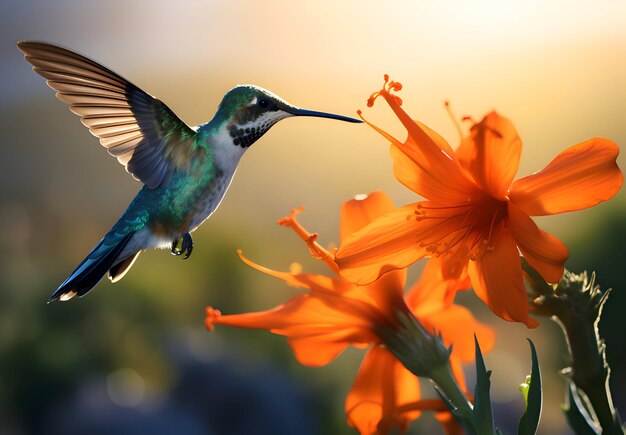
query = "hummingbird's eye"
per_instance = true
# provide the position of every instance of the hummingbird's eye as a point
(264, 103)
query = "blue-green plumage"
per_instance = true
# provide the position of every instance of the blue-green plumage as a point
(185, 171)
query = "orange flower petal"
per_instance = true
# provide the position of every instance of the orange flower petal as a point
(429, 170)
(373, 303)
(386, 294)
(457, 326)
(388, 243)
(380, 387)
(426, 183)
(309, 316)
(321, 284)
(491, 154)
(437, 138)
(432, 292)
(543, 251)
(318, 331)
(450, 424)
(434, 163)
(428, 150)
(316, 351)
(361, 210)
(579, 177)
(497, 279)
(293, 315)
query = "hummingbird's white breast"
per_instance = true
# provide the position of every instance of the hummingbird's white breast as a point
(226, 158)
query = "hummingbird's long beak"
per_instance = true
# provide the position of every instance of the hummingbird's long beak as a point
(304, 112)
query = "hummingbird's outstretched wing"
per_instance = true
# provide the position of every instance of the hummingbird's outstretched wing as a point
(141, 131)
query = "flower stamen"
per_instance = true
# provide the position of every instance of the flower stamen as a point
(317, 250)
(458, 224)
(454, 120)
(387, 89)
(491, 227)
(285, 276)
(468, 118)
(212, 315)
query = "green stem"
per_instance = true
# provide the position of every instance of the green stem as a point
(443, 377)
(576, 304)
(589, 370)
(426, 355)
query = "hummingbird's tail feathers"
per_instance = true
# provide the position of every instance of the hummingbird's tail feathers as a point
(120, 269)
(91, 270)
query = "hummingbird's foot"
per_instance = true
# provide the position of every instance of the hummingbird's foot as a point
(183, 246)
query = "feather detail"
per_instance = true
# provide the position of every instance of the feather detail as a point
(126, 119)
(119, 270)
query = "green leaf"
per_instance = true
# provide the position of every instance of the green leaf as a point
(576, 413)
(530, 420)
(483, 416)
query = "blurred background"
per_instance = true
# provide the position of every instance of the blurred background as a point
(134, 357)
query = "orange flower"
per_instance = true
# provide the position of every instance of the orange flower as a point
(335, 313)
(475, 217)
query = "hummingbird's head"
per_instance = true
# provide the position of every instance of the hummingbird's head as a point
(250, 111)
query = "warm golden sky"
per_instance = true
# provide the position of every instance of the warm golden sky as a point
(556, 68)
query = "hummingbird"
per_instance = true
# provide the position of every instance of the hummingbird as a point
(185, 170)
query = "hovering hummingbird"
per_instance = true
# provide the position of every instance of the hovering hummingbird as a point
(185, 170)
